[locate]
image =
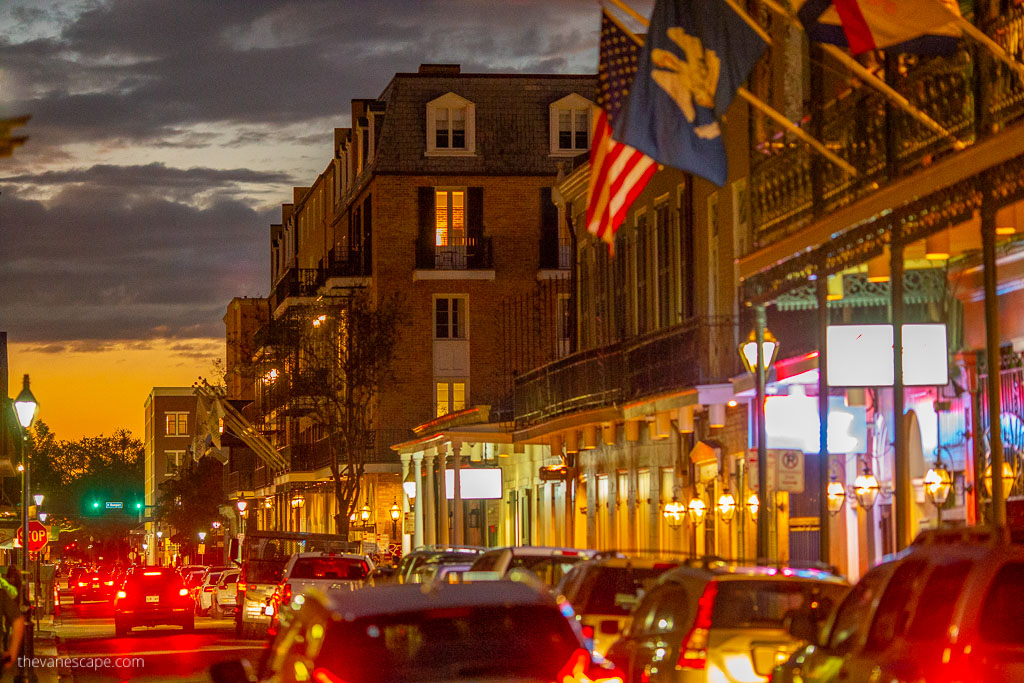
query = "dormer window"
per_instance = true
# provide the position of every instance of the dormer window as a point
(451, 126)
(570, 122)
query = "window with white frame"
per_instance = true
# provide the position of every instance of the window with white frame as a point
(450, 217)
(570, 121)
(451, 126)
(450, 317)
(176, 423)
(449, 396)
(173, 461)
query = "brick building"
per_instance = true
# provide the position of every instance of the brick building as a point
(439, 192)
(170, 425)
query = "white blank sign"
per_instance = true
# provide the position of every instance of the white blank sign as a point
(861, 355)
(476, 483)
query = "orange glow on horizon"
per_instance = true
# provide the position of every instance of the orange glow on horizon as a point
(88, 393)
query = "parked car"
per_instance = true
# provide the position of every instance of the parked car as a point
(225, 594)
(482, 631)
(322, 571)
(948, 609)
(152, 596)
(411, 562)
(549, 564)
(720, 622)
(440, 564)
(203, 591)
(603, 593)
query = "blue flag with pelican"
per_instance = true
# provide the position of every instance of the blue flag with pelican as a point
(697, 54)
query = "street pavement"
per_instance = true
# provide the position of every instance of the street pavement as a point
(89, 650)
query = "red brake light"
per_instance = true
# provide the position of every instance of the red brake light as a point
(152, 573)
(568, 553)
(693, 653)
(208, 589)
(183, 592)
(286, 594)
(321, 675)
(81, 583)
(588, 632)
(122, 594)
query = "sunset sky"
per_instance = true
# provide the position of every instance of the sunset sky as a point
(165, 134)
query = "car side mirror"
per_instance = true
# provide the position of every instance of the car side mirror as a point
(233, 671)
(803, 626)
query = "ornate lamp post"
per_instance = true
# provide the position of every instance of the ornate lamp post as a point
(835, 495)
(937, 483)
(396, 513)
(26, 406)
(726, 506)
(674, 513)
(758, 353)
(866, 489)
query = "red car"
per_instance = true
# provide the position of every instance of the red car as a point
(152, 596)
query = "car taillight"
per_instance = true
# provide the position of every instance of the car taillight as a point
(693, 653)
(580, 668)
(183, 592)
(108, 583)
(241, 587)
(321, 675)
(208, 589)
(82, 583)
(588, 632)
(122, 594)
(286, 594)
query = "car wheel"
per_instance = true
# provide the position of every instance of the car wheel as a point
(121, 629)
(189, 626)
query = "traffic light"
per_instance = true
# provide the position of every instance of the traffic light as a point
(95, 505)
(138, 506)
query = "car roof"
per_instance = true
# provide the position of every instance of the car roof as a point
(344, 556)
(543, 551)
(412, 597)
(631, 563)
(732, 572)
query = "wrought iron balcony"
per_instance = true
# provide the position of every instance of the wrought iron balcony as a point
(968, 94)
(295, 282)
(346, 263)
(701, 351)
(468, 253)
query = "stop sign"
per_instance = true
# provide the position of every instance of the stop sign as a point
(37, 536)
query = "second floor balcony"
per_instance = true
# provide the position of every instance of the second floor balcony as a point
(457, 253)
(296, 282)
(700, 351)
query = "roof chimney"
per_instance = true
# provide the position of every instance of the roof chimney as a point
(441, 69)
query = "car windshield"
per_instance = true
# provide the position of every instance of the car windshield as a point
(766, 604)
(450, 643)
(338, 568)
(614, 590)
(550, 569)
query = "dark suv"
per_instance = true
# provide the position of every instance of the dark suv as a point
(152, 596)
(947, 609)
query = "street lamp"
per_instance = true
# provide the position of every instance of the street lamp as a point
(866, 489)
(937, 483)
(696, 510)
(395, 514)
(26, 406)
(753, 505)
(1007, 478)
(42, 517)
(726, 506)
(38, 498)
(836, 495)
(758, 353)
(674, 513)
(364, 514)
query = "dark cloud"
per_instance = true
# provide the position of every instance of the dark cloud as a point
(102, 252)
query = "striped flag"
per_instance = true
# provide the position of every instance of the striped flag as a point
(921, 26)
(618, 173)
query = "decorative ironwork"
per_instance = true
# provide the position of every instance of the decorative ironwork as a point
(919, 287)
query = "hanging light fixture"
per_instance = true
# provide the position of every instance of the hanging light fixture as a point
(836, 494)
(866, 489)
(696, 509)
(937, 483)
(835, 288)
(364, 514)
(753, 505)
(674, 513)
(1007, 478)
(726, 506)
(878, 267)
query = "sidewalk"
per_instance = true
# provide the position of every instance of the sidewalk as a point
(45, 648)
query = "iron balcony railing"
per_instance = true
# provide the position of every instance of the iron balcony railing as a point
(467, 253)
(295, 282)
(968, 94)
(314, 456)
(701, 351)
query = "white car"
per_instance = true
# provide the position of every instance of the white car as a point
(204, 591)
(323, 571)
(225, 594)
(549, 564)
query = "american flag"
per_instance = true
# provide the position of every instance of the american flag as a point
(618, 173)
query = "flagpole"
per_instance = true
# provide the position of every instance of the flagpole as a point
(873, 80)
(754, 101)
(796, 130)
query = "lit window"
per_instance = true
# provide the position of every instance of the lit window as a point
(450, 397)
(450, 218)
(176, 424)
